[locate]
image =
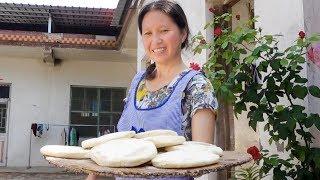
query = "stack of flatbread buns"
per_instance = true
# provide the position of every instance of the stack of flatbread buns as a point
(163, 148)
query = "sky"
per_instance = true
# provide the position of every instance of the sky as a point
(112, 4)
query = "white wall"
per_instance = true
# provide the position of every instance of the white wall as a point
(311, 18)
(41, 93)
(283, 17)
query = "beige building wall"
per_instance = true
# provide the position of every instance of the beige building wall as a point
(41, 93)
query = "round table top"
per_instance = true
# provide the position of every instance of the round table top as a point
(229, 159)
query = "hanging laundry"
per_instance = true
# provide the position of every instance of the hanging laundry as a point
(64, 136)
(39, 130)
(42, 129)
(74, 137)
(34, 128)
(46, 127)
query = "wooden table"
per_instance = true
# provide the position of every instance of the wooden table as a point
(229, 159)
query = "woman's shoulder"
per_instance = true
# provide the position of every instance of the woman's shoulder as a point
(139, 75)
(200, 80)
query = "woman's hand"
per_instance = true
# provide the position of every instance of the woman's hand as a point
(202, 126)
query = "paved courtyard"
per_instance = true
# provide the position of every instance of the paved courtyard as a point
(40, 173)
(41, 176)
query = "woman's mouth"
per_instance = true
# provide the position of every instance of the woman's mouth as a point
(159, 50)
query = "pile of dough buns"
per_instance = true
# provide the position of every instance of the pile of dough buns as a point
(163, 148)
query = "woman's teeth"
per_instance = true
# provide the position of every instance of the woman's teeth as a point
(158, 50)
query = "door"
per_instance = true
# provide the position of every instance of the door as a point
(4, 101)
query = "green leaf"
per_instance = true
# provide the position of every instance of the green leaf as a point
(266, 127)
(240, 106)
(278, 173)
(256, 51)
(316, 156)
(228, 56)
(272, 97)
(300, 153)
(312, 118)
(314, 91)
(270, 140)
(224, 45)
(275, 64)
(298, 79)
(300, 42)
(283, 132)
(300, 91)
(284, 62)
(285, 163)
(250, 59)
(258, 115)
(242, 77)
(315, 118)
(253, 124)
(300, 59)
(274, 161)
(221, 72)
(279, 108)
(217, 65)
(269, 38)
(291, 124)
(243, 51)
(271, 84)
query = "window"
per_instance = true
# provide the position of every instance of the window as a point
(4, 91)
(98, 108)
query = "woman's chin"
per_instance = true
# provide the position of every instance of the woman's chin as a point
(161, 59)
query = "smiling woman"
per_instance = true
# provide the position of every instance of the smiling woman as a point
(168, 95)
(111, 4)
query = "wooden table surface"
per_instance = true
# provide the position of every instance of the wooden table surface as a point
(229, 159)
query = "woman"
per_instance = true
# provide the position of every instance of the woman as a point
(168, 95)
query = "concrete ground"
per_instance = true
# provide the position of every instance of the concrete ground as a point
(40, 173)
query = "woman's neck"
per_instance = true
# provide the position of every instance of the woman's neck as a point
(169, 70)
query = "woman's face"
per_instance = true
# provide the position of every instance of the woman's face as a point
(161, 37)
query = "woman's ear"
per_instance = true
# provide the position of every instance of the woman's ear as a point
(184, 35)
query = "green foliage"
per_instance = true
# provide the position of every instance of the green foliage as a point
(250, 71)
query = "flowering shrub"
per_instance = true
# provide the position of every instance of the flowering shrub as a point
(255, 79)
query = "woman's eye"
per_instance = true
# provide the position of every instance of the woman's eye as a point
(147, 33)
(164, 30)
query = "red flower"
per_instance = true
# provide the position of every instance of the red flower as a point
(310, 53)
(302, 34)
(212, 10)
(217, 31)
(195, 66)
(238, 17)
(255, 153)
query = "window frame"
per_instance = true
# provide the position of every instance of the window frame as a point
(98, 112)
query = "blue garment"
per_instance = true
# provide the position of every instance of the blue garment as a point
(167, 115)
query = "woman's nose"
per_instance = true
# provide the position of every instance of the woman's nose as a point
(157, 39)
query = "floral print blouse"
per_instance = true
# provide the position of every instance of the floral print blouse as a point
(197, 95)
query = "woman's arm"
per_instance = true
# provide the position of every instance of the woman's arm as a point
(203, 125)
